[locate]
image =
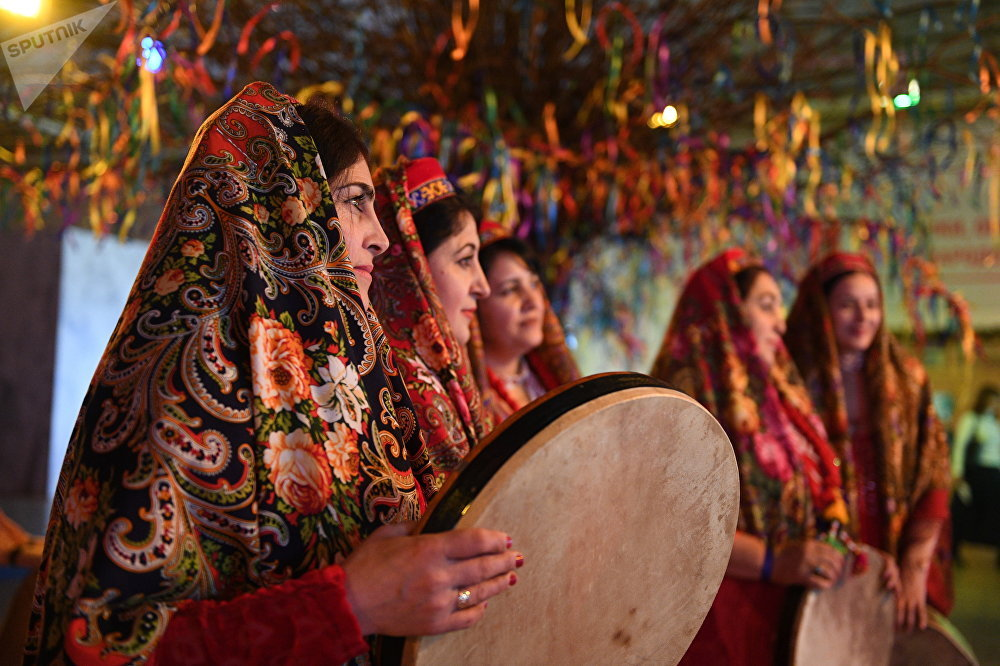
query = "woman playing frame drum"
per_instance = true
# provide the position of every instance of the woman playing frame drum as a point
(875, 402)
(237, 486)
(723, 347)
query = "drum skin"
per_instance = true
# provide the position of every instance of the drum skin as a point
(623, 495)
(849, 624)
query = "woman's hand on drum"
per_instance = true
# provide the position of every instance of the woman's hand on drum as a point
(811, 563)
(911, 600)
(402, 585)
(890, 577)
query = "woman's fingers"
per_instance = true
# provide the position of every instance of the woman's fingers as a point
(404, 585)
(909, 615)
(475, 570)
(891, 574)
(463, 544)
(470, 602)
(820, 580)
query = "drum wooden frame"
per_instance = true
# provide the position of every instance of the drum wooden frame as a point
(624, 495)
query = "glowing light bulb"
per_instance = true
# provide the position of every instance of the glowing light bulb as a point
(669, 115)
(153, 55)
(666, 118)
(22, 7)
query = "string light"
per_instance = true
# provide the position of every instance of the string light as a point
(910, 98)
(22, 7)
(666, 118)
(153, 55)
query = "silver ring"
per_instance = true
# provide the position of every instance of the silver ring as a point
(464, 599)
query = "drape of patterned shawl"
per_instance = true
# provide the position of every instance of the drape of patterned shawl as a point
(912, 456)
(551, 362)
(789, 483)
(245, 424)
(411, 313)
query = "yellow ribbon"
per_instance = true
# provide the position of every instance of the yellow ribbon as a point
(149, 126)
(578, 31)
(463, 30)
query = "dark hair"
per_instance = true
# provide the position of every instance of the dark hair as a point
(986, 393)
(440, 220)
(832, 282)
(338, 139)
(745, 278)
(515, 246)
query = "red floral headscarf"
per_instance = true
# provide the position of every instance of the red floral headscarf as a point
(551, 362)
(788, 475)
(912, 451)
(245, 425)
(430, 360)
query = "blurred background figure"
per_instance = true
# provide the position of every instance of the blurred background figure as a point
(724, 349)
(975, 466)
(20, 554)
(518, 350)
(875, 400)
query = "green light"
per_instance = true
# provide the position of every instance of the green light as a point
(902, 101)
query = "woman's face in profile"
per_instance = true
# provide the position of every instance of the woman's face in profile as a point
(458, 277)
(354, 198)
(762, 310)
(855, 304)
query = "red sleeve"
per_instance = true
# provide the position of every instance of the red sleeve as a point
(298, 621)
(933, 505)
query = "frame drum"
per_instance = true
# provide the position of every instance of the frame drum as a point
(623, 494)
(849, 624)
(940, 644)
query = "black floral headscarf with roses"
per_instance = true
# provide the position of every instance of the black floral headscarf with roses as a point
(246, 424)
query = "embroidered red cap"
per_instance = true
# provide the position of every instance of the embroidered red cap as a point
(426, 183)
(490, 231)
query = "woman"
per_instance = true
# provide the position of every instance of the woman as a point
(875, 402)
(518, 341)
(723, 348)
(236, 485)
(976, 461)
(426, 291)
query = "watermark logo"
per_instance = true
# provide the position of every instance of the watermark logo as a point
(34, 58)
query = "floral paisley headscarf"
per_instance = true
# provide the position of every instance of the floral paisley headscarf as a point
(789, 482)
(910, 444)
(551, 362)
(430, 360)
(244, 426)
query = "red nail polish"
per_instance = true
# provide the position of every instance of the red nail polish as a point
(510, 542)
(513, 578)
(519, 561)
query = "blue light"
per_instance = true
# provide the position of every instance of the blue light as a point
(153, 55)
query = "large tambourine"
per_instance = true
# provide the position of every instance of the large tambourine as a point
(849, 624)
(623, 494)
